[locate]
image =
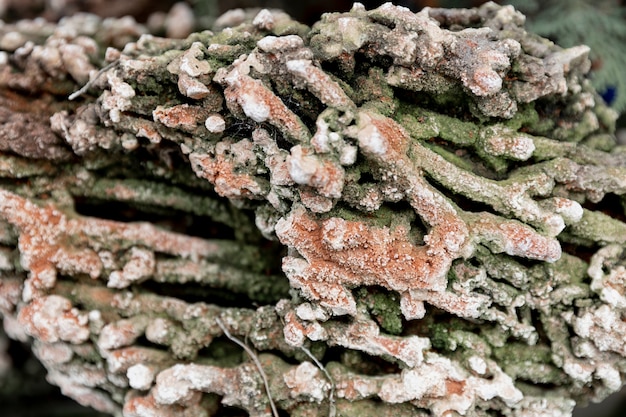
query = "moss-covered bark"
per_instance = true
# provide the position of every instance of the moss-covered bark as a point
(400, 213)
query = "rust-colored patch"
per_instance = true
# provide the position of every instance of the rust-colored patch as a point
(279, 114)
(219, 171)
(396, 137)
(181, 116)
(517, 239)
(50, 241)
(136, 406)
(355, 253)
(455, 387)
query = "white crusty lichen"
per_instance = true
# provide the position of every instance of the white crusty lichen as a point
(388, 213)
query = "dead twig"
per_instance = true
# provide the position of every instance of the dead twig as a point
(256, 361)
(332, 409)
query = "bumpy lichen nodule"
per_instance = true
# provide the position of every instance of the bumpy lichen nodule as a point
(413, 213)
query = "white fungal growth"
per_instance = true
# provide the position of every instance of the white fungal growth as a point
(383, 173)
(189, 62)
(477, 364)
(215, 123)
(275, 44)
(140, 265)
(140, 376)
(191, 87)
(254, 107)
(320, 83)
(306, 379)
(302, 166)
(52, 318)
(370, 140)
(264, 20)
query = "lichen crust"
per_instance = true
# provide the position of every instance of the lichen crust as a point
(387, 213)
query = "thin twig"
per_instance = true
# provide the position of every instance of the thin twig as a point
(256, 361)
(89, 83)
(332, 410)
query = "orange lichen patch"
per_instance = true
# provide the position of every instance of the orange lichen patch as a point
(329, 180)
(315, 202)
(181, 116)
(385, 141)
(515, 238)
(261, 105)
(295, 331)
(52, 318)
(320, 84)
(396, 138)
(147, 129)
(354, 253)
(44, 241)
(120, 360)
(220, 171)
(50, 241)
(323, 174)
(147, 406)
(455, 387)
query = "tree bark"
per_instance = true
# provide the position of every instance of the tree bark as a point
(396, 213)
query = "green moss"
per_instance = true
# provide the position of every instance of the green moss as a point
(384, 307)
(267, 289)
(451, 157)
(374, 90)
(531, 364)
(385, 216)
(498, 165)
(520, 352)
(596, 226)
(152, 86)
(571, 267)
(434, 128)
(603, 142)
(424, 124)
(440, 338)
(232, 45)
(526, 116)
(291, 27)
(452, 334)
